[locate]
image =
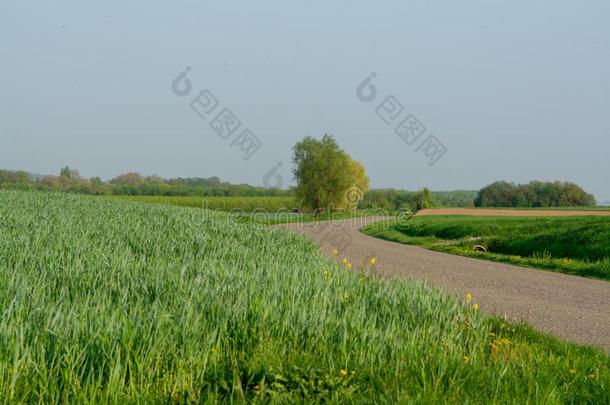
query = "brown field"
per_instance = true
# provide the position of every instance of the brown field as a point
(509, 212)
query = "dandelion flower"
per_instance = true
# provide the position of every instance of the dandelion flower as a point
(349, 266)
(475, 307)
(468, 297)
(335, 252)
(373, 261)
(343, 372)
(344, 260)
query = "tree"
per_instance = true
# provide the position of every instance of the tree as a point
(69, 173)
(10, 177)
(128, 179)
(327, 177)
(360, 185)
(378, 199)
(498, 194)
(424, 200)
(533, 194)
(96, 181)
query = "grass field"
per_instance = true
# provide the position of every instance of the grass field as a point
(257, 210)
(114, 302)
(574, 245)
(236, 204)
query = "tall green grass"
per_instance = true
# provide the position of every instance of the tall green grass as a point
(575, 245)
(114, 302)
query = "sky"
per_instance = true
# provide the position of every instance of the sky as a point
(500, 90)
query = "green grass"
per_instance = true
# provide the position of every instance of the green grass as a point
(596, 208)
(573, 245)
(235, 204)
(122, 302)
(289, 217)
(257, 210)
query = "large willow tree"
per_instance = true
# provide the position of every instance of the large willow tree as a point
(327, 177)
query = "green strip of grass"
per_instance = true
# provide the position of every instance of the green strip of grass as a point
(284, 218)
(259, 210)
(234, 204)
(574, 245)
(122, 302)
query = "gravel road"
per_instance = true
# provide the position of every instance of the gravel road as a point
(569, 307)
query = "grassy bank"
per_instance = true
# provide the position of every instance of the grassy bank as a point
(573, 245)
(108, 301)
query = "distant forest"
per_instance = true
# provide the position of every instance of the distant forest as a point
(70, 181)
(534, 194)
(498, 194)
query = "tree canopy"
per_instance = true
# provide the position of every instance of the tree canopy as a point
(533, 194)
(327, 177)
(69, 180)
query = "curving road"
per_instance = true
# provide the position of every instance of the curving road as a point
(569, 307)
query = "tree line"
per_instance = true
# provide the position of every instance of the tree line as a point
(498, 194)
(534, 194)
(70, 181)
(391, 199)
(327, 179)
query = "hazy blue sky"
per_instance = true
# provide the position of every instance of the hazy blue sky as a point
(514, 90)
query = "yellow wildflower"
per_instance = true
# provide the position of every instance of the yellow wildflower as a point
(343, 372)
(373, 261)
(468, 297)
(344, 260)
(335, 252)
(349, 266)
(475, 307)
(466, 358)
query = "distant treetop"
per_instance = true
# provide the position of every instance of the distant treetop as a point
(534, 194)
